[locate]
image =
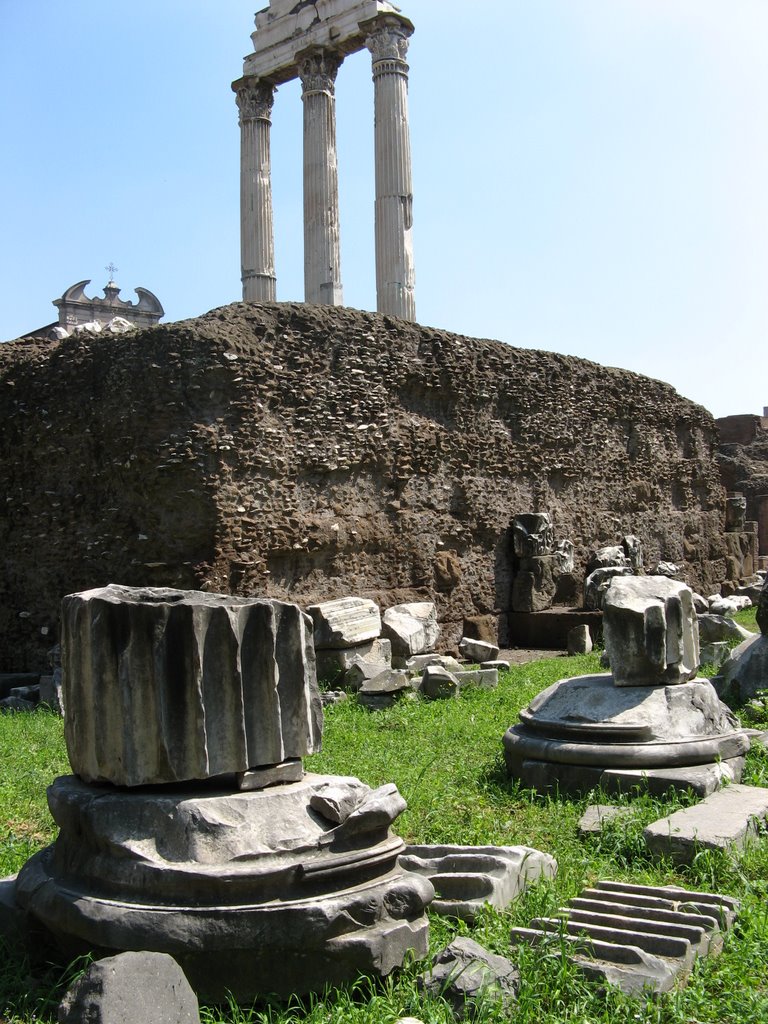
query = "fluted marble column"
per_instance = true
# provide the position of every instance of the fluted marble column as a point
(257, 243)
(322, 252)
(387, 40)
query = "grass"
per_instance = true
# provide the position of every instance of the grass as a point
(446, 759)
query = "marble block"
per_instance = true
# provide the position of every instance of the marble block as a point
(651, 632)
(345, 623)
(165, 686)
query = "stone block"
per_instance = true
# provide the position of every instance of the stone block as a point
(360, 672)
(389, 686)
(412, 628)
(596, 815)
(651, 632)
(477, 651)
(333, 664)
(579, 640)
(11, 680)
(466, 878)
(597, 583)
(165, 686)
(745, 674)
(481, 627)
(714, 654)
(726, 820)
(347, 622)
(417, 664)
(486, 678)
(472, 980)
(438, 683)
(146, 987)
(715, 628)
(641, 938)
(701, 779)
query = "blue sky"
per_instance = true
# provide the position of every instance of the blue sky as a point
(590, 176)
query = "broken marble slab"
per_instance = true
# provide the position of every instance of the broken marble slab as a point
(466, 878)
(385, 689)
(727, 820)
(346, 622)
(332, 664)
(477, 651)
(412, 628)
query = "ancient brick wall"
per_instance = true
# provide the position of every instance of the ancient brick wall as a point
(743, 457)
(309, 452)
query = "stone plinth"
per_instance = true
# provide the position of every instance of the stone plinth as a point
(282, 890)
(165, 686)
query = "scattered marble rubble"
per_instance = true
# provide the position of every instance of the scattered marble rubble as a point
(473, 981)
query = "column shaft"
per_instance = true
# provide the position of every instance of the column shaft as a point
(322, 248)
(395, 278)
(257, 244)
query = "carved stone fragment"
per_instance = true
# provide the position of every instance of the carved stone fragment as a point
(167, 686)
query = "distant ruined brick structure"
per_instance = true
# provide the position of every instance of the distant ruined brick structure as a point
(312, 452)
(743, 459)
(309, 41)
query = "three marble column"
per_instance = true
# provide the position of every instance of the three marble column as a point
(386, 36)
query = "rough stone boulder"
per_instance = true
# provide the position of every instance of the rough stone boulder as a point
(306, 453)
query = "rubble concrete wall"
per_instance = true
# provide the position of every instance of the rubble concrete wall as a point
(306, 453)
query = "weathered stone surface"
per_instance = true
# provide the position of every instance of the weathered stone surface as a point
(471, 979)
(485, 677)
(701, 779)
(333, 664)
(346, 622)
(12, 917)
(745, 674)
(477, 651)
(165, 686)
(272, 450)
(735, 513)
(726, 820)
(606, 558)
(633, 549)
(564, 557)
(579, 640)
(728, 606)
(16, 704)
(146, 987)
(438, 683)
(535, 583)
(360, 672)
(467, 878)
(714, 628)
(651, 633)
(641, 938)
(575, 730)
(669, 569)
(533, 534)
(384, 689)
(714, 654)
(251, 892)
(762, 608)
(597, 583)
(417, 664)
(411, 628)
(272, 775)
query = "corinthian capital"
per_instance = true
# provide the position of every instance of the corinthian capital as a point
(317, 70)
(387, 37)
(255, 98)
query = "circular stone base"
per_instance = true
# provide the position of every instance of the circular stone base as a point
(585, 725)
(252, 893)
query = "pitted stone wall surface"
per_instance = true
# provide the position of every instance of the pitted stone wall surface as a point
(309, 453)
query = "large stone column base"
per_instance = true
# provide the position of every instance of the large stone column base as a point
(585, 732)
(279, 891)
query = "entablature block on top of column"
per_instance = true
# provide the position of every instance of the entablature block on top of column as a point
(287, 27)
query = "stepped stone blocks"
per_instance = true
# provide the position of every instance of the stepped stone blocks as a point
(634, 936)
(466, 878)
(166, 686)
(305, 453)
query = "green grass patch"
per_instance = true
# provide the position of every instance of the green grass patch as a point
(446, 759)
